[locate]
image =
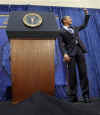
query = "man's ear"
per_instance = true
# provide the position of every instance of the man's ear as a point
(64, 20)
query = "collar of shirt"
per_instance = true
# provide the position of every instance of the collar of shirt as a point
(66, 28)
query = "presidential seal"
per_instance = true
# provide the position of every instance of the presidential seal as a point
(32, 20)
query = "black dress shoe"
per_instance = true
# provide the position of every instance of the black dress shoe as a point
(73, 99)
(86, 100)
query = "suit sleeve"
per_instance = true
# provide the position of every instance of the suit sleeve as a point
(62, 45)
(86, 20)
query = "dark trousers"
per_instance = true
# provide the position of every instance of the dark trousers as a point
(78, 59)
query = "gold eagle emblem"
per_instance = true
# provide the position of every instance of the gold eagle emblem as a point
(32, 20)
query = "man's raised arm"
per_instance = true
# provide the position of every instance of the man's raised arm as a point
(87, 16)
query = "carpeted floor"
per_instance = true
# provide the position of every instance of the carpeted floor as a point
(42, 104)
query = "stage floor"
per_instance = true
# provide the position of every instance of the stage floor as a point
(42, 104)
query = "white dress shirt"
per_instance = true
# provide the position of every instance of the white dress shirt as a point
(69, 29)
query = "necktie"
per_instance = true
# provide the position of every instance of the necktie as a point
(71, 30)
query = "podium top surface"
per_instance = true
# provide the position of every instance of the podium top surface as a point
(17, 29)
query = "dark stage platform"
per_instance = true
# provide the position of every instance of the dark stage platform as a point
(42, 104)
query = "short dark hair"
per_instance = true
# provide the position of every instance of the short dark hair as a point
(62, 20)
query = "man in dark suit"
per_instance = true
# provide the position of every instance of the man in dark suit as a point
(73, 51)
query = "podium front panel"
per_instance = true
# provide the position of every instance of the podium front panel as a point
(32, 67)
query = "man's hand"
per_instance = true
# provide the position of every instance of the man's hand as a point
(67, 58)
(85, 11)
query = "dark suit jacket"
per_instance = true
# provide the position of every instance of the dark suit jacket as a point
(67, 41)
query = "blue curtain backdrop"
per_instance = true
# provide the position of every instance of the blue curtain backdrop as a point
(90, 37)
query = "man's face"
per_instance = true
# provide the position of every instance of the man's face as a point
(67, 20)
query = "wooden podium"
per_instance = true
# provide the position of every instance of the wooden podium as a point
(32, 55)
